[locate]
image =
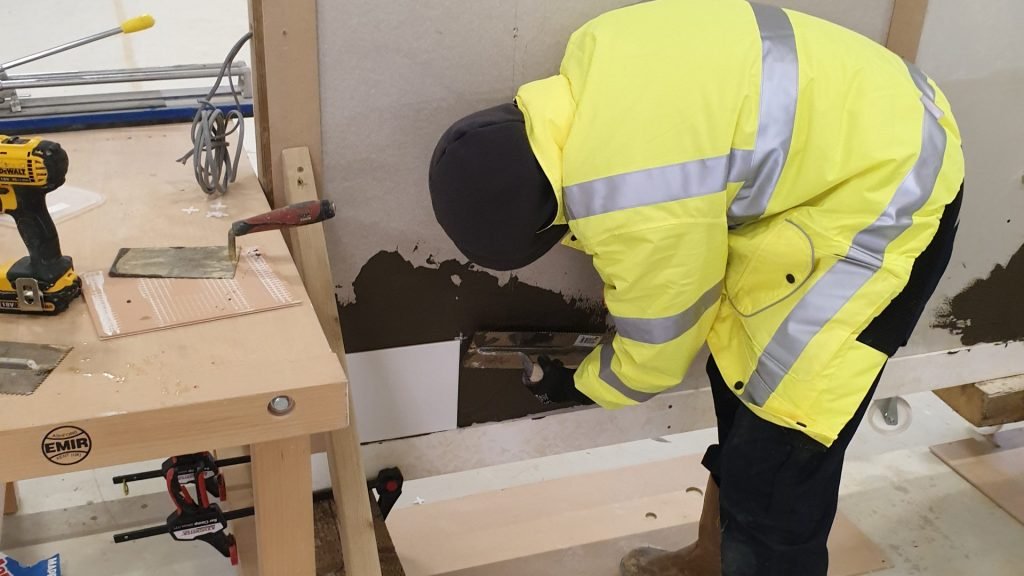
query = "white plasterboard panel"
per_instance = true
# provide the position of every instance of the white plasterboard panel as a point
(395, 75)
(973, 52)
(673, 413)
(406, 391)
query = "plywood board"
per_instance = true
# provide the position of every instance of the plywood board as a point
(152, 389)
(406, 391)
(125, 306)
(996, 469)
(577, 525)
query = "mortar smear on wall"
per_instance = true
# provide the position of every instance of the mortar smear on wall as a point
(989, 310)
(398, 303)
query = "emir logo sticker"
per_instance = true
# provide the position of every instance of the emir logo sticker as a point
(67, 445)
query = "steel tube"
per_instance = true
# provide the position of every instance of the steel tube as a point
(61, 48)
(112, 77)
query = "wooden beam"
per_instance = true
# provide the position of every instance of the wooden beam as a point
(10, 500)
(995, 466)
(281, 474)
(286, 94)
(581, 524)
(987, 403)
(905, 27)
(355, 519)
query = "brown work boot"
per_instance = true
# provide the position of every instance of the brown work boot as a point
(702, 558)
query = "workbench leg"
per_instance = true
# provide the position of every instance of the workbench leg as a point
(282, 482)
(355, 520)
(10, 500)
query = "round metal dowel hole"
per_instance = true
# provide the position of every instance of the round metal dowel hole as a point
(281, 405)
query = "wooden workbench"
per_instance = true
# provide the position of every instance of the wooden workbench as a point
(188, 389)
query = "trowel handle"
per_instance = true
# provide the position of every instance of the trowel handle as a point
(299, 214)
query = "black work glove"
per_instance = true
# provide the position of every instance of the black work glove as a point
(557, 386)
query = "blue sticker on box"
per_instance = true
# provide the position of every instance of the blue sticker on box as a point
(10, 567)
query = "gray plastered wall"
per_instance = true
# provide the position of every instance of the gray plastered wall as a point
(395, 74)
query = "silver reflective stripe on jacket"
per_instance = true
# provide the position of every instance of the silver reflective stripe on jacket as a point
(760, 169)
(612, 379)
(779, 86)
(651, 186)
(867, 252)
(667, 329)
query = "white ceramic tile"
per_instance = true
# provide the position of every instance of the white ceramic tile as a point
(406, 391)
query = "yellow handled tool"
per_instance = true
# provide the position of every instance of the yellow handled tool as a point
(137, 24)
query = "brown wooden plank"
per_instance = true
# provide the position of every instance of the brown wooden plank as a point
(282, 479)
(906, 27)
(10, 500)
(348, 478)
(987, 403)
(578, 525)
(286, 95)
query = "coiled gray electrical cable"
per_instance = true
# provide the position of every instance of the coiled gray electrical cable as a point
(212, 163)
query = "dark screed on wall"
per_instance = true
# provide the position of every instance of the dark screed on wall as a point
(398, 304)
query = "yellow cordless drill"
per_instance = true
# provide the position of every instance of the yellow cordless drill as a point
(44, 282)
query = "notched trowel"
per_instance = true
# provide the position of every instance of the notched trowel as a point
(217, 262)
(24, 367)
(512, 350)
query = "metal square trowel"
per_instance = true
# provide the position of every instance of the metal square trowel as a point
(218, 262)
(23, 367)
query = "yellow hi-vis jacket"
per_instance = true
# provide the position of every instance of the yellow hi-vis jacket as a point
(747, 176)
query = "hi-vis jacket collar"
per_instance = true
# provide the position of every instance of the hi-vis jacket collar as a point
(548, 108)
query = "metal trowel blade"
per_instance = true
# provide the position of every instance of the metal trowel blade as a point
(24, 367)
(179, 262)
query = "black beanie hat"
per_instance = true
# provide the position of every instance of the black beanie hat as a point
(490, 194)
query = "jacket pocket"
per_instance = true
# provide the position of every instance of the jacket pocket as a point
(767, 267)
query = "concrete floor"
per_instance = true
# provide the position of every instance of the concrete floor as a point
(919, 511)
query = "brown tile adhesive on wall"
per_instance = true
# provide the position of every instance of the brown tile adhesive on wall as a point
(398, 304)
(989, 310)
